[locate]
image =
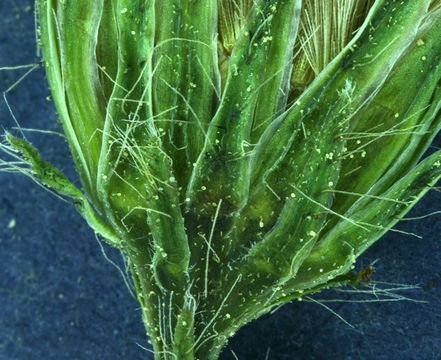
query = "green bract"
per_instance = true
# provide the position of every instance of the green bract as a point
(240, 153)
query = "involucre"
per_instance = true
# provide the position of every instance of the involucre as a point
(240, 153)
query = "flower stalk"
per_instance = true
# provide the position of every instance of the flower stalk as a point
(240, 154)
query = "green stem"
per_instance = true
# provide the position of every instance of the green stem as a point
(174, 333)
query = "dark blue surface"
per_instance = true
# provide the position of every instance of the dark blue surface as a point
(60, 299)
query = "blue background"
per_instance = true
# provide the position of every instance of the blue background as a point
(60, 299)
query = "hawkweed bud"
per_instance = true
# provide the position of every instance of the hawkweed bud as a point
(240, 153)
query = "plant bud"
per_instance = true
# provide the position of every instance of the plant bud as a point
(240, 153)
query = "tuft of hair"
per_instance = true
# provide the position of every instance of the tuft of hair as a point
(326, 27)
(232, 15)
